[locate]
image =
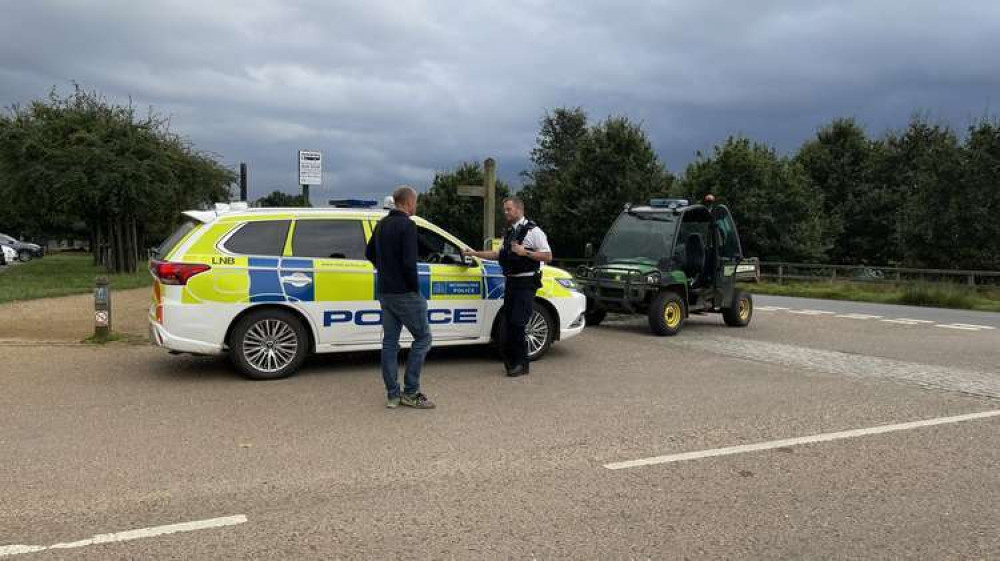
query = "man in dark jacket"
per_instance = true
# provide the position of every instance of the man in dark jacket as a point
(393, 250)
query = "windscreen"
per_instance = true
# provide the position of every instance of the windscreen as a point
(639, 237)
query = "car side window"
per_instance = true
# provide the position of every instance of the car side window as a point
(435, 248)
(259, 238)
(329, 239)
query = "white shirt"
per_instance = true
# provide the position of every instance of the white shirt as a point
(535, 240)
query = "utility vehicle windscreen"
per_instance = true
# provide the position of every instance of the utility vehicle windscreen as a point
(639, 237)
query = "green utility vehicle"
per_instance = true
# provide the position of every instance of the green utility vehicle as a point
(667, 260)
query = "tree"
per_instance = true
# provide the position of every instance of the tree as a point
(920, 171)
(462, 216)
(777, 209)
(581, 176)
(840, 163)
(82, 159)
(976, 204)
(281, 199)
(553, 157)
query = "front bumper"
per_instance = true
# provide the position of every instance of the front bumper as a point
(622, 295)
(571, 314)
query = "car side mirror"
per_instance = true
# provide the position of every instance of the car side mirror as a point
(588, 250)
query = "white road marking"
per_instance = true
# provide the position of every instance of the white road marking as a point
(858, 316)
(960, 327)
(811, 312)
(825, 437)
(897, 321)
(6, 550)
(901, 321)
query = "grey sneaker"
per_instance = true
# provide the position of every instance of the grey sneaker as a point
(392, 402)
(417, 401)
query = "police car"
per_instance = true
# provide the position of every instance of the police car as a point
(270, 286)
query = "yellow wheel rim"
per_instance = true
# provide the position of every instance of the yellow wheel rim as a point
(744, 309)
(672, 315)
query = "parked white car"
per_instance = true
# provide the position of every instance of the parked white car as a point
(7, 255)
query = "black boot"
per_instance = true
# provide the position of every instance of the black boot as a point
(519, 370)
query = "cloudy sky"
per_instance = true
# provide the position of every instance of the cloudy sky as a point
(393, 90)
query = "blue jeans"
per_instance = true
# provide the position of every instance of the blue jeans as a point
(399, 310)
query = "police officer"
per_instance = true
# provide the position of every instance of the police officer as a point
(524, 249)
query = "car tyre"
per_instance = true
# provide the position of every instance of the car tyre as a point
(595, 317)
(667, 313)
(24, 255)
(741, 312)
(268, 344)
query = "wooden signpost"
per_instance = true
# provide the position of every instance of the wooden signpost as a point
(488, 192)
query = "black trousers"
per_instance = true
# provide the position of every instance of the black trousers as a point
(519, 295)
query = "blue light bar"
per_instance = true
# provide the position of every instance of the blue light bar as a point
(352, 203)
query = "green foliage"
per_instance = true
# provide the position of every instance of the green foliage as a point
(975, 204)
(840, 162)
(942, 295)
(778, 211)
(124, 178)
(937, 295)
(926, 164)
(462, 216)
(280, 199)
(62, 275)
(582, 175)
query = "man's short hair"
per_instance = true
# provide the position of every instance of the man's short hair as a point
(403, 193)
(516, 201)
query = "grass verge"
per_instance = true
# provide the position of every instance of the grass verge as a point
(115, 337)
(936, 295)
(61, 275)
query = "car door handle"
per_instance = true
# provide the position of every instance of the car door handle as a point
(297, 280)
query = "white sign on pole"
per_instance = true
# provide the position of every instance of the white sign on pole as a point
(471, 191)
(310, 167)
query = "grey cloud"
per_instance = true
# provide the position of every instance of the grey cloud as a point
(393, 91)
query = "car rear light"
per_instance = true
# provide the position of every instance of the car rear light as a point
(176, 273)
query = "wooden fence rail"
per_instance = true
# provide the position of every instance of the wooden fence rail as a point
(782, 271)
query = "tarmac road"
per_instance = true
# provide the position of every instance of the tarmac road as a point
(104, 440)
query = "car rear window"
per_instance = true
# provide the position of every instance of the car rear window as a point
(259, 238)
(330, 239)
(171, 242)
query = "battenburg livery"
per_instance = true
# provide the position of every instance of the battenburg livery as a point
(270, 286)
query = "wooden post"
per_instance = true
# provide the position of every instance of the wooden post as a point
(972, 280)
(305, 195)
(781, 274)
(489, 198)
